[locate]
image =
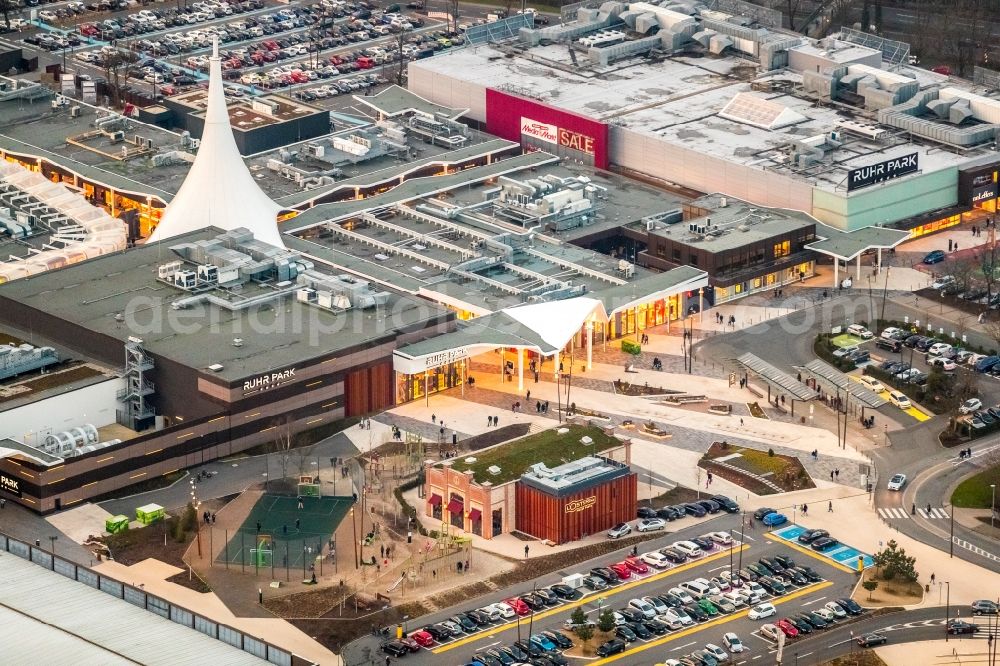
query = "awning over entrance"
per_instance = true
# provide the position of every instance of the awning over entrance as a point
(846, 245)
(455, 506)
(544, 328)
(434, 500)
(835, 380)
(777, 379)
(475, 515)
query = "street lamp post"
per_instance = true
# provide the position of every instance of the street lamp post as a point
(993, 503)
(947, 609)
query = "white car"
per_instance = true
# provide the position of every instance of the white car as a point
(689, 548)
(733, 643)
(859, 331)
(491, 612)
(836, 609)
(658, 604)
(655, 559)
(939, 348)
(825, 613)
(971, 405)
(675, 615)
(890, 332)
(505, 611)
(619, 618)
(897, 482)
(769, 631)
(718, 653)
(735, 598)
(712, 587)
(766, 610)
(681, 594)
(722, 538)
(942, 282)
(644, 607)
(651, 524)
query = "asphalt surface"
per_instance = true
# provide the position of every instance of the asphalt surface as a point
(838, 582)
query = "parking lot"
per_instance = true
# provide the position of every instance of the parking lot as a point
(831, 581)
(313, 51)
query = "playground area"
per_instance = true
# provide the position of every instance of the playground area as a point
(278, 533)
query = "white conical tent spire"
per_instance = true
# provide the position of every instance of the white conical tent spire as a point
(219, 190)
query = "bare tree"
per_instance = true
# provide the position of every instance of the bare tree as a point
(120, 66)
(400, 57)
(283, 444)
(988, 264)
(963, 269)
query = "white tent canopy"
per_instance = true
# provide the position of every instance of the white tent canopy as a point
(219, 190)
(557, 322)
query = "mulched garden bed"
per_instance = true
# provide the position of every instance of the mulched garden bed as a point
(628, 388)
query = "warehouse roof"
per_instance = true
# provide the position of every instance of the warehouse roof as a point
(43, 612)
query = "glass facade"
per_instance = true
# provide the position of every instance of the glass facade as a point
(412, 387)
(767, 281)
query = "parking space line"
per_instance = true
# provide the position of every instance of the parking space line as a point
(816, 556)
(712, 623)
(681, 647)
(807, 603)
(492, 631)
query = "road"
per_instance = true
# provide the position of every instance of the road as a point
(838, 581)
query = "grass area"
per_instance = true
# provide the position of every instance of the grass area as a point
(784, 471)
(547, 447)
(846, 340)
(975, 492)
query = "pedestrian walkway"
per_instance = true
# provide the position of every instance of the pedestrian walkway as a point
(898, 513)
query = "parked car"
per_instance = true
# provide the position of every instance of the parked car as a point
(836, 609)
(775, 519)
(897, 482)
(935, 257)
(395, 648)
(645, 512)
(619, 530)
(732, 643)
(655, 559)
(595, 583)
(762, 611)
(824, 544)
(851, 606)
(652, 524)
(811, 535)
(971, 405)
(787, 628)
(761, 512)
(860, 331)
(695, 510)
(769, 631)
(614, 646)
(728, 505)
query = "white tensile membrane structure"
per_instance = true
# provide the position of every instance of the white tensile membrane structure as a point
(219, 190)
(80, 230)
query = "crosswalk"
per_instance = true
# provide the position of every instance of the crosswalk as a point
(897, 513)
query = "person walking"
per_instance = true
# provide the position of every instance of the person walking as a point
(829, 507)
(526, 551)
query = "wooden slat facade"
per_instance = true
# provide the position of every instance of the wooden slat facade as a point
(369, 389)
(578, 515)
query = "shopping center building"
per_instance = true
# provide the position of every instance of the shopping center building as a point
(843, 128)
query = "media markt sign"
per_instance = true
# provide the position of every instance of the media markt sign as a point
(883, 171)
(541, 131)
(581, 504)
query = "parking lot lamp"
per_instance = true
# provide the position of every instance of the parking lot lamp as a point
(947, 609)
(993, 503)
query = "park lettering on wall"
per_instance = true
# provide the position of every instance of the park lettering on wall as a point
(10, 484)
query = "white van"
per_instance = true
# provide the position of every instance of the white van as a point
(689, 548)
(899, 399)
(859, 331)
(695, 588)
(871, 383)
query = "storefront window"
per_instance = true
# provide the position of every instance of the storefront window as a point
(411, 387)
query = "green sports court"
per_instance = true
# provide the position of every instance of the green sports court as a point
(280, 542)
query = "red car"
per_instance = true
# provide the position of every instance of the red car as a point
(622, 569)
(519, 606)
(787, 628)
(410, 643)
(422, 638)
(636, 565)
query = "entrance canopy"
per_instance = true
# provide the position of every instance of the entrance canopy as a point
(541, 327)
(775, 378)
(835, 380)
(846, 245)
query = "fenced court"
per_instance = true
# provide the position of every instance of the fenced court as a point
(288, 537)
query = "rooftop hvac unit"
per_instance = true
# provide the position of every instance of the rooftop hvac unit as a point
(117, 136)
(185, 279)
(166, 271)
(75, 111)
(208, 273)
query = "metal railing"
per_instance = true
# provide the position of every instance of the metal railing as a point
(152, 603)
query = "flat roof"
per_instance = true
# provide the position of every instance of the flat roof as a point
(92, 293)
(779, 379)
(679, 99)
(847, 245)
(396, 101)
(574, 476)
(829, 375)
(72, 623)
(242, 115)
